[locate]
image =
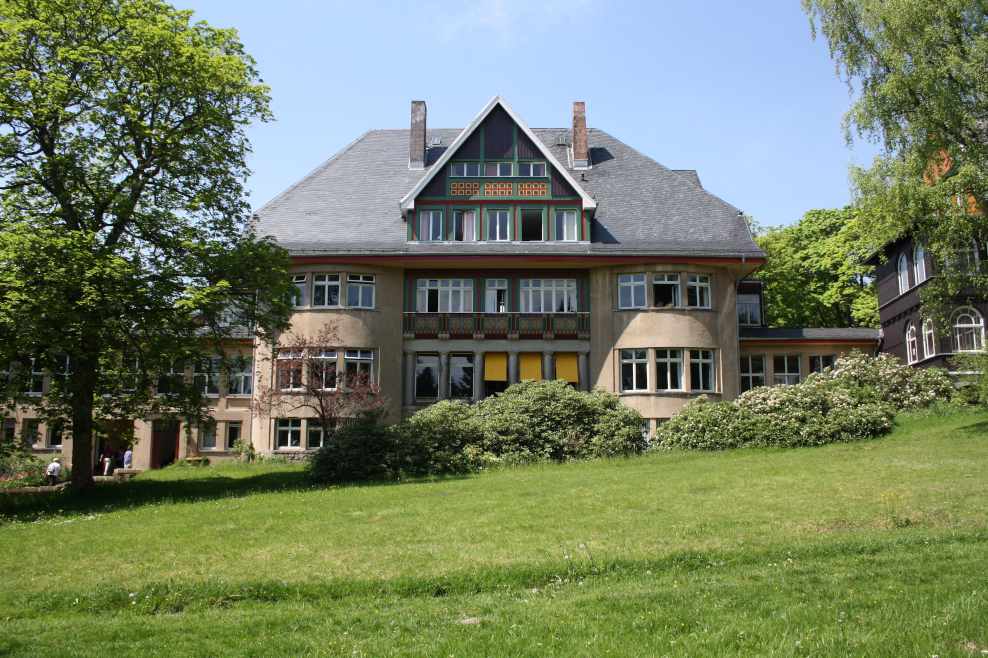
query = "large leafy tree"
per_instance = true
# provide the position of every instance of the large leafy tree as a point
(814, 276)
(126, 250)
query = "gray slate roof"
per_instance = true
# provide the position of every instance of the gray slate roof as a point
(349, 205)
(839, 334)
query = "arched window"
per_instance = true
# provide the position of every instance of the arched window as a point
(919, 262)
(929, 342)
(912, 347)
(969, 330)
(903, 274)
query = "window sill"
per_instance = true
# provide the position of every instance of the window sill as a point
(668, 394)
(239, 396)
(310, 309)
(665, 309)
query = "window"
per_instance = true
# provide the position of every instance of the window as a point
(702, 370)
(965, 257)
(359, 366)
(465, 169)
(130, 379)
(497, 296)
(360, 290)
(288, 367)
(323, 370)
(55, 435)
(669, 370)
(631, 291)
(749, 310)
(912, 345)
(445, 296)
(464, 226)
(497, 169)
(461, 376)
(786, 369)
(326, 290)
(969, 330)
(430, 226)
(242, 376)
(903, 269)
(497, 225)
(634, 370)
(548, 296)
(919, 262)
(566, 228)
(31, 432)
(929, 342)
(289, 433)
(531, 225)
(698, 290)
(315, 436)
(299, 281)
(9, 428)
(206, 375)
(818, 363)
(426, 376)
(170, 379)
(209, 438)
(233, 432)
(665, 289)
(752, 372)
(531, 169)
(35, 380)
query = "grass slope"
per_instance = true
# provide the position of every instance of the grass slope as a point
(875, 548)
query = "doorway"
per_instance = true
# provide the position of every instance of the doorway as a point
(164, 444)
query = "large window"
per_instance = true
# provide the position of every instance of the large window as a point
(323, 369)
(531, 169)
(497, 169)
(912, 344)
(969, 330)
(430, 225)
(749, 311)
(818, 363)
(702, 370)
(665, 290)
(929, 341)
(242, 376)
(426, 377)
(752, 372)
(903, 274)
(497, 225)
(496, 296)
(631, 291)
(206, 375)
(548, 296)
(566, 227)
(698, 290)
(299, 298)
(634, 370)
(464, 226)
(445, 296)
(326, 290)
(786, 369)
(669, 370)
(360, 364)
(289, 432)
(461, 376)
(919, 262)
(360, 290)
(460, 169)
(288, 370)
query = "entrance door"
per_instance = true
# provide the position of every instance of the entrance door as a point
(164, 444)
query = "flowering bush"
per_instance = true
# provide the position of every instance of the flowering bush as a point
(703, 425)
(884, 379)
(23, 471)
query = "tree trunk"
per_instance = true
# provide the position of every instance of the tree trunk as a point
(83, 387)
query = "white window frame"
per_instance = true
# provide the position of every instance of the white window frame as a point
(35, 379)
(975, 329)
(291, 429)
(704, 360)
(285, 356)
(567, 227)
(430, 226)
(207, 380)
(531, 170)
(324, 358)
(671, 359)
(822, 362)
(494, 218)
(629, 284)
(902, 274)
(312, 428)
(325, 284)
(452, 295)
(749, 303)
(786, 376)
(301, 282)
(698, 286)
(747, 367)
(919, 263)
(171, 373)
(929, 339)
(467, 220)
(492, 287)
(360, 282)
(204, 435)
(634, 362)
(912, 344)
(666, 280)
(499, 169)
(548, 292)
(462, 170)
(360, 358)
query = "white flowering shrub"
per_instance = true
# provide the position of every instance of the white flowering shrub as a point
(703, 425)
(885, 379)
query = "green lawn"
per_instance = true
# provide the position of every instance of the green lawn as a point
(873, 548)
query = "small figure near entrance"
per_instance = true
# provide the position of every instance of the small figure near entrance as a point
(54, 468)
(128, 461)
(107, 458)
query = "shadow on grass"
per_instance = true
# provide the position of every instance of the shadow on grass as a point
(975, 428)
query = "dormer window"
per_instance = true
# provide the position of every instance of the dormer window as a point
(497, 225)
(497, 169)
(464, 226)
(566, 225)
(531, 169)
(430, 226)
(749, 310)
(465, 169)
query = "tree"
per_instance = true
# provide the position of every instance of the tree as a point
(305, 378)
(126, 250)
(814, 276)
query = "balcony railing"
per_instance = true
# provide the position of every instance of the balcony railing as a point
(497, 324)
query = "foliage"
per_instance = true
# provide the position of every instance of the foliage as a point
(883, 379)
(125, 239)
(973, 384)
(243, 450)
(438, 440)
(814, 276)
(363, 449)
(704, 425)
(24, 471)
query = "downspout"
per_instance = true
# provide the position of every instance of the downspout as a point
(737, 329)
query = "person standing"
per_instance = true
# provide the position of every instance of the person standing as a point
(54, 468)
(129, 458)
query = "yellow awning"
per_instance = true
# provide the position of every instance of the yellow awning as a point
(496, 367)
(531, 365)
(566, 367)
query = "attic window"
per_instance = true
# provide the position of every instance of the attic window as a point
(561, 141)
(436, 141)
(531, 169)
(497, 169)
(465, 169)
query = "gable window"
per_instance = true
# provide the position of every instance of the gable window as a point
(497, 225)
(299, 281)
(903, 270)
(786, 369)
(460, 169)
(631, 291)
(426, 377)
(919, 262)
(461, 376)
(445, 296)
(752, 372)
(206, 375)
(242, 378)
(288, 367)
(323, 370)
(289, 432)
(665, 289)
(531, 169)
(359, 365)
(326, 290)
(969, 330)
(531, 225)
(430, 226)
(360, 290)
(698, 290)
(566, 229)
(548, 296)
(497, 296)
(464, 226)
(749, 311)
(912, 344)
(702, 370)
(929, 342)
(497, 169)
(669, 370)
(634, 370)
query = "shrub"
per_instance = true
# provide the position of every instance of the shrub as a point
(20, 470)
(361, 450)
(435, 441)
(884, 380)
(703, 425)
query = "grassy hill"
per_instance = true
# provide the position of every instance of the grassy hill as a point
(874, 548)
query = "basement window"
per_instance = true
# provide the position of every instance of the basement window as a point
(531, 226)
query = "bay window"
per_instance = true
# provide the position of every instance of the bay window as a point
(326, 290)
(631, 291)
(669, 370)
(702, 370)
(634, 370)
(360, 290)
(665, 289)
(698, 290)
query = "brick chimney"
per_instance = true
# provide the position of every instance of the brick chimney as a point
(581, 158)
(416, 149)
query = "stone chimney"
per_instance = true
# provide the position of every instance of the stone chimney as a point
(581, 158)
(416, 149)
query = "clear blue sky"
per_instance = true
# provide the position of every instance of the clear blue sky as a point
(737, 90)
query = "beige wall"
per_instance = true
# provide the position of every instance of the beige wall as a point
(804, 351)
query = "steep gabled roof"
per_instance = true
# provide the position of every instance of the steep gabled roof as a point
(408, 201)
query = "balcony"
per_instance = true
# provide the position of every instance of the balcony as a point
(497, 325)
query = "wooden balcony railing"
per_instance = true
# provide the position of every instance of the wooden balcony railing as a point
(497, 324)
